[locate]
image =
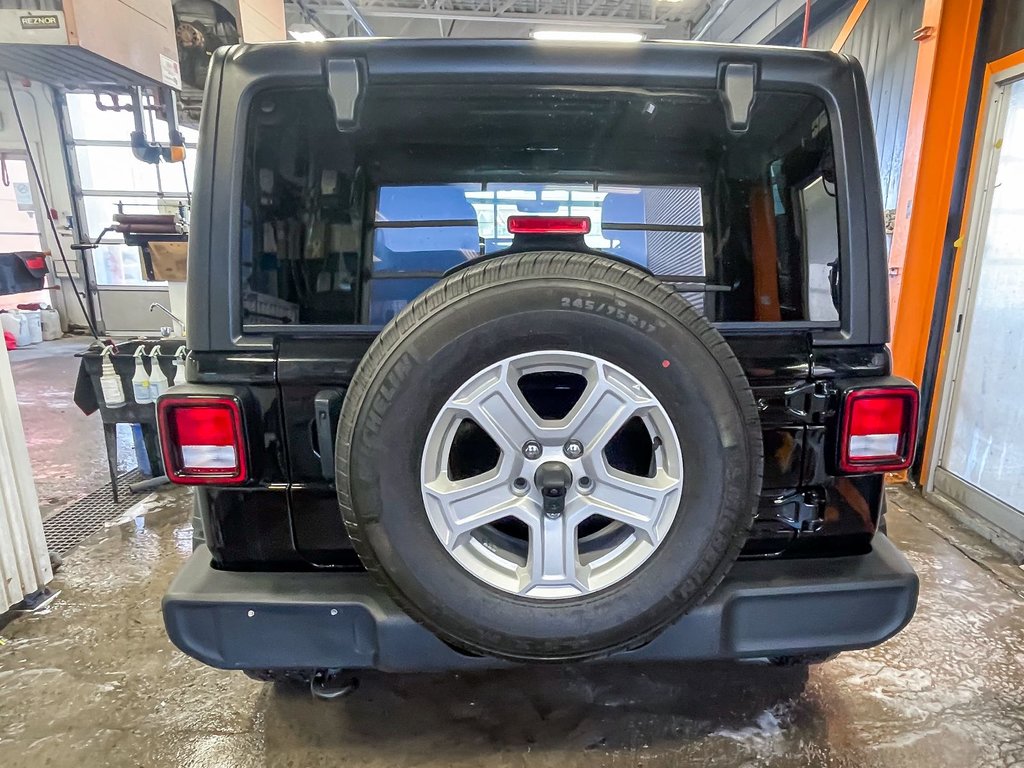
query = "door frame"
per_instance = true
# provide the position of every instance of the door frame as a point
(984, 163)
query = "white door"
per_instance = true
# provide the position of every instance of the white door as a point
(19, 220)
(980, 463)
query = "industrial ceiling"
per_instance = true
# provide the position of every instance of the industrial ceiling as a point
(496, 18)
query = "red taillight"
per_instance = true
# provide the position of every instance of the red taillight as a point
(879, 430)
(548, 225)
(202, 440)
(36, 262)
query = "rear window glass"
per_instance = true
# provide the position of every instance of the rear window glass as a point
(429, 229)
(348, 227)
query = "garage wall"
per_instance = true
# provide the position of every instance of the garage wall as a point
(883, 43)
(765, 21)
(1005, 28)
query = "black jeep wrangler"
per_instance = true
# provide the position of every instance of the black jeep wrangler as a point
(503, 351)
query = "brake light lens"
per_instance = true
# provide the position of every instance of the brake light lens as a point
(202, 440)
(549, 225)
(879, 430)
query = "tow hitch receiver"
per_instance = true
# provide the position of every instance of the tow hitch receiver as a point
(332, 684)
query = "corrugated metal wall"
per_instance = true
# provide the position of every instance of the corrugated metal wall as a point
(1005, 28)
(883, 42)
(762, 21)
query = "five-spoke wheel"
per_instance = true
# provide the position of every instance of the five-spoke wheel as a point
(552, 474)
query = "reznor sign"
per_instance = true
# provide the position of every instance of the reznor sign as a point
(46, 21)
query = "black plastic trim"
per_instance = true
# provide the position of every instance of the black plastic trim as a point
(260, 620)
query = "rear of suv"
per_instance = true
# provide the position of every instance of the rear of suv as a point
(506, 352)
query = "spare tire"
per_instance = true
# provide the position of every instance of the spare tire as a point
(548, 456)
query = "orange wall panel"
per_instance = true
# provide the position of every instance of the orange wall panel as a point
(948, 38)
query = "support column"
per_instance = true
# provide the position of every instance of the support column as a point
(947, 38)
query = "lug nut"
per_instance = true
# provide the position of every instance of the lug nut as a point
(531, 450)
(573, 449)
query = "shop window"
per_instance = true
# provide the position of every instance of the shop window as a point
(113, 180)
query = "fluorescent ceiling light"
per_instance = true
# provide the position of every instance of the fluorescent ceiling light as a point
(580, 35)
(307, 36)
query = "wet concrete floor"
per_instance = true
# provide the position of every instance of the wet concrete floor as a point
(93, 681)
(65, 446)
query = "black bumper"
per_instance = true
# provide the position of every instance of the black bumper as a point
(246, 620)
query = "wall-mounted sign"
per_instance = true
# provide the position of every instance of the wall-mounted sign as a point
(170, 72)
(23, 195)
(43, 21)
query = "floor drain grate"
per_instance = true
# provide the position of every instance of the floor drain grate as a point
(69, 527)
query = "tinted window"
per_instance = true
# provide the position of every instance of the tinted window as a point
(348, 227)
(302, 214)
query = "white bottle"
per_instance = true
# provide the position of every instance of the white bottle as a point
(51, 324)
(24, 331)
(110, 383)
(140, 381)
(157, 380)
(179, 365)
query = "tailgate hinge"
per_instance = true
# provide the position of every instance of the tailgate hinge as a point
(801, 511)
(813, 402)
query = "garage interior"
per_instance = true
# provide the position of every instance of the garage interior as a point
(98, 140)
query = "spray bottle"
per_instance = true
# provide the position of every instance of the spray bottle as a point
(179, 364)
(157, 380)
(140, 381)
(110, 383)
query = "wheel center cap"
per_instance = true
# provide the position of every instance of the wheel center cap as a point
(553, 478)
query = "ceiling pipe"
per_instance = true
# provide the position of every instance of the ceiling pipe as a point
(358, 17)
(310, 17)
(807, 24)
(715, 17)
